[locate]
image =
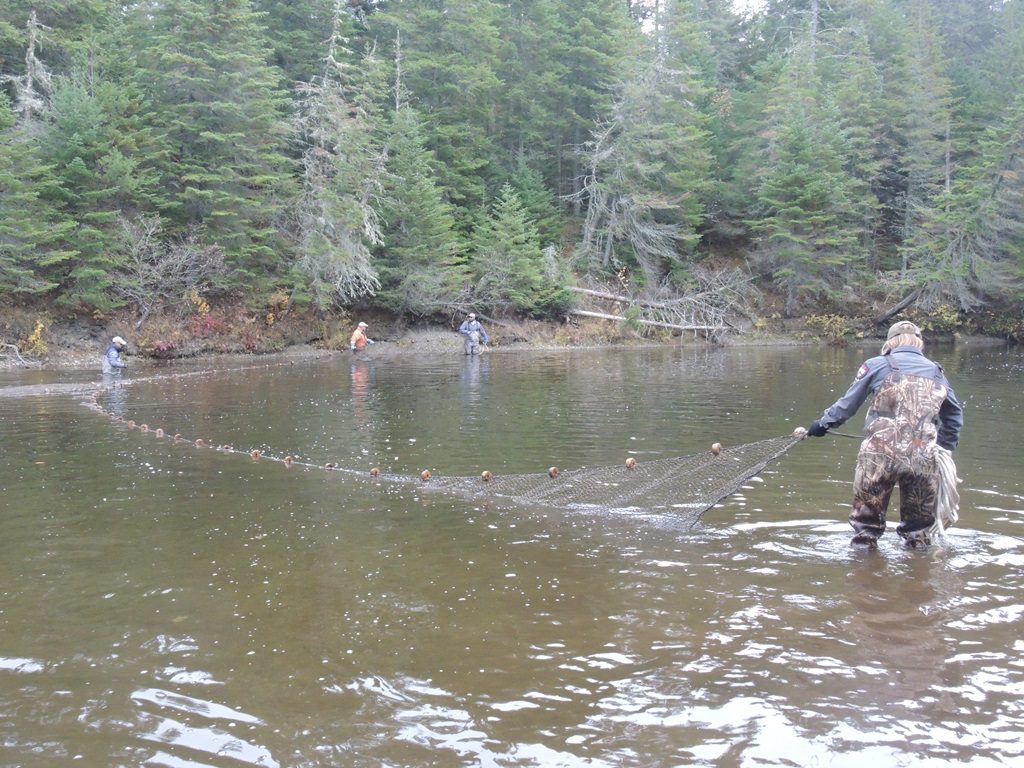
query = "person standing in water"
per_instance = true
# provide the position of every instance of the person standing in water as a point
(112, 362)
(359, 338)
(914, 413)
(473, 335)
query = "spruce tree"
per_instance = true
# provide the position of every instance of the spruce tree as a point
(450, 55)
(98, 148)
(927, 126)
(421, 261)
(32, 231)
(297, 30)
(216, 100)
(804, 216)
(507, 261)
(600, 40)
(539, 203)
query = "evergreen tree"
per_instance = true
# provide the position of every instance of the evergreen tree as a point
(215, 98)
(805, 220)
(297, 30)
(507, 261)
(450, 55)
(538, 202)
(31, 230)
(529, 125)
(927, 126)
(97, 146)
(601, 39)
(421, 262)
(339, 122)
(978, 251)
(68, 25)
(852, 83)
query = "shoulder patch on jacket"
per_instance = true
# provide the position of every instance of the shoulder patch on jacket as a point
(862, 372)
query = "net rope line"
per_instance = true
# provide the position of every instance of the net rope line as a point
(693, 483)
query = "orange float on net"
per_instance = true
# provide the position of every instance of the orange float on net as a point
(254, 453)
(200, 442)
(630, 463)
(716, 448)
(553, 472)
(375, 472)
(486, 476)
(425, 474)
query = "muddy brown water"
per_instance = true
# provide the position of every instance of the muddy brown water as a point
(168, 605)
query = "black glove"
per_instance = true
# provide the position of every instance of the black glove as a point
(817, 429)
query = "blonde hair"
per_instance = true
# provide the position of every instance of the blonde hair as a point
(903, 340)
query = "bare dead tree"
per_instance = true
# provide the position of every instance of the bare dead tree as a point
(33, 89)
(706, 308)
(158, 272)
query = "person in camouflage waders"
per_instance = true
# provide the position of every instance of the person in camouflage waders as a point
(914, 409)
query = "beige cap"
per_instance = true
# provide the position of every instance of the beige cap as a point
(363, 325)
(119, 341)
(903, 326)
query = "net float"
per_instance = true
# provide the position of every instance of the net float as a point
(144, 427)
(289, 460)
(425, 474)
(375, 472)
(330, 465)
(630, 463)
(486, 476)
(254, 453)
(553, 472)
(131, 423)
(159, 432)
(200, 442)
(800, 432)
(177, 436)
(716, 448)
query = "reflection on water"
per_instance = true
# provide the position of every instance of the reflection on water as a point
(172, 606)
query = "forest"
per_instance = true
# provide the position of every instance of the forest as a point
(830, 158)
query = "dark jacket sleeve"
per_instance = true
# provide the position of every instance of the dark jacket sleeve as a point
(951, 420)
(843, 408)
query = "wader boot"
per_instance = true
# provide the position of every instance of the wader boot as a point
(899, 449)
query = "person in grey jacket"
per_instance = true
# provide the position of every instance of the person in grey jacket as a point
(473, 334)
(112, 362)
(914, 410)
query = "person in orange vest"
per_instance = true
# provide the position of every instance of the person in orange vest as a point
(359, 338)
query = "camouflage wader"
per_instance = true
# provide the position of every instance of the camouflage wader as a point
(900, 448)
(471, 345)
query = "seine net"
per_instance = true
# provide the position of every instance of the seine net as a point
(685, 484)
(692, 484)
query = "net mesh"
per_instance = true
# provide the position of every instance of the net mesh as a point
(693, 483)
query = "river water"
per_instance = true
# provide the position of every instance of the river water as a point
(163, 604)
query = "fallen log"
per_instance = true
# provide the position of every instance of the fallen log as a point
(673, 326)
(903, 304)
(622, 299)
(17, 354)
